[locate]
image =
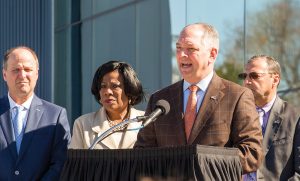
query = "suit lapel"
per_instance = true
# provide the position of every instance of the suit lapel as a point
(34, 117)
(6, 126)
(274, 124)
(176, 102)
(129, 137)
(211, 100)
(99, 127)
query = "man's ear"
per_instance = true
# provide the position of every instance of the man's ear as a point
(4, 74)
(276, 80)
(213, 55)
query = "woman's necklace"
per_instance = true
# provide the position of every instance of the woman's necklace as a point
(112, 123)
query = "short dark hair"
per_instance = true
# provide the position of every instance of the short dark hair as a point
(132, 86)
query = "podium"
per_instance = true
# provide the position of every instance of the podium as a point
(195, 162)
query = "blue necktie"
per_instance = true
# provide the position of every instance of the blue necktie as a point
(18, 127)
(249, 176)
(261, 114)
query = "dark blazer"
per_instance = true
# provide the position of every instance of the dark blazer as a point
(281, 144)
(44, 145)
(226, 118)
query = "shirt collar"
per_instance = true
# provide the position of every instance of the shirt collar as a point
(203, 84)
(26, 104)
(268, 106)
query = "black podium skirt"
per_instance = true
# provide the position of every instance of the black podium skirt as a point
(168, 163)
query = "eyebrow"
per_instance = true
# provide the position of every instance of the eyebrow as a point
(186, 44)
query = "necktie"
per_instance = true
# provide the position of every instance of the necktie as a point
(18, 126)
(261, 114)
(191, 110)
(249, 177)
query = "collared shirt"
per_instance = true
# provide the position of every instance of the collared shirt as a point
(267, 109)
(25, 110)
(203, 85)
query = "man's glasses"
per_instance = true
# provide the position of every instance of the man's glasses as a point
(252, 75)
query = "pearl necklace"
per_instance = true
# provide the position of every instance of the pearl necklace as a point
(114, 123)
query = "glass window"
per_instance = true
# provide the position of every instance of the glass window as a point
(247, 28)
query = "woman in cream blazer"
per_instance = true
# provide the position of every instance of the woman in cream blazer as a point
(87, 127)
(116, 87)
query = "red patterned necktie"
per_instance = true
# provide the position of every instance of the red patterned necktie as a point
(191, 110)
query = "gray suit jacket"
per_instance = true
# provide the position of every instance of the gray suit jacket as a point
(44, 146)
(226, 118)
(281, 144)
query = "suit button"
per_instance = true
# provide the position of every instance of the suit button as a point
(17, 172)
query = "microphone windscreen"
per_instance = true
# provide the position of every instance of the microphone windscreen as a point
(164, 105)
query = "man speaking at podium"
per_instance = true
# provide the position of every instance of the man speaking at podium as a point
(204, 108)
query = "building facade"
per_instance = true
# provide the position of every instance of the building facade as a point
(74, 37)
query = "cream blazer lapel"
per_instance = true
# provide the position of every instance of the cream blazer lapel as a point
(130, 135)
(100, 125)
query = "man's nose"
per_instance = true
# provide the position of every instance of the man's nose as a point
(22, 73)
(247, 81)
(182, 53)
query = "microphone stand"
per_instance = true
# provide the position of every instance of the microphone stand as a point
(112, 129)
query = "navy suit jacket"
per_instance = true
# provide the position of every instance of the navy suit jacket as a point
(43, 149)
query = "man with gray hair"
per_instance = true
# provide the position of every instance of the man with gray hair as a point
(205, 109)
(279, 121)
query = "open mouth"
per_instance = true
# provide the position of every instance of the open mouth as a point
(186, 65)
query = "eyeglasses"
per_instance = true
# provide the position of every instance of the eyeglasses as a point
(252, 75)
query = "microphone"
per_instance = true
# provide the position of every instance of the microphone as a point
(162, 107)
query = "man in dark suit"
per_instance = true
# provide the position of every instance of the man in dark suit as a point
(34, 134)
(226, 115)
(279, 121)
